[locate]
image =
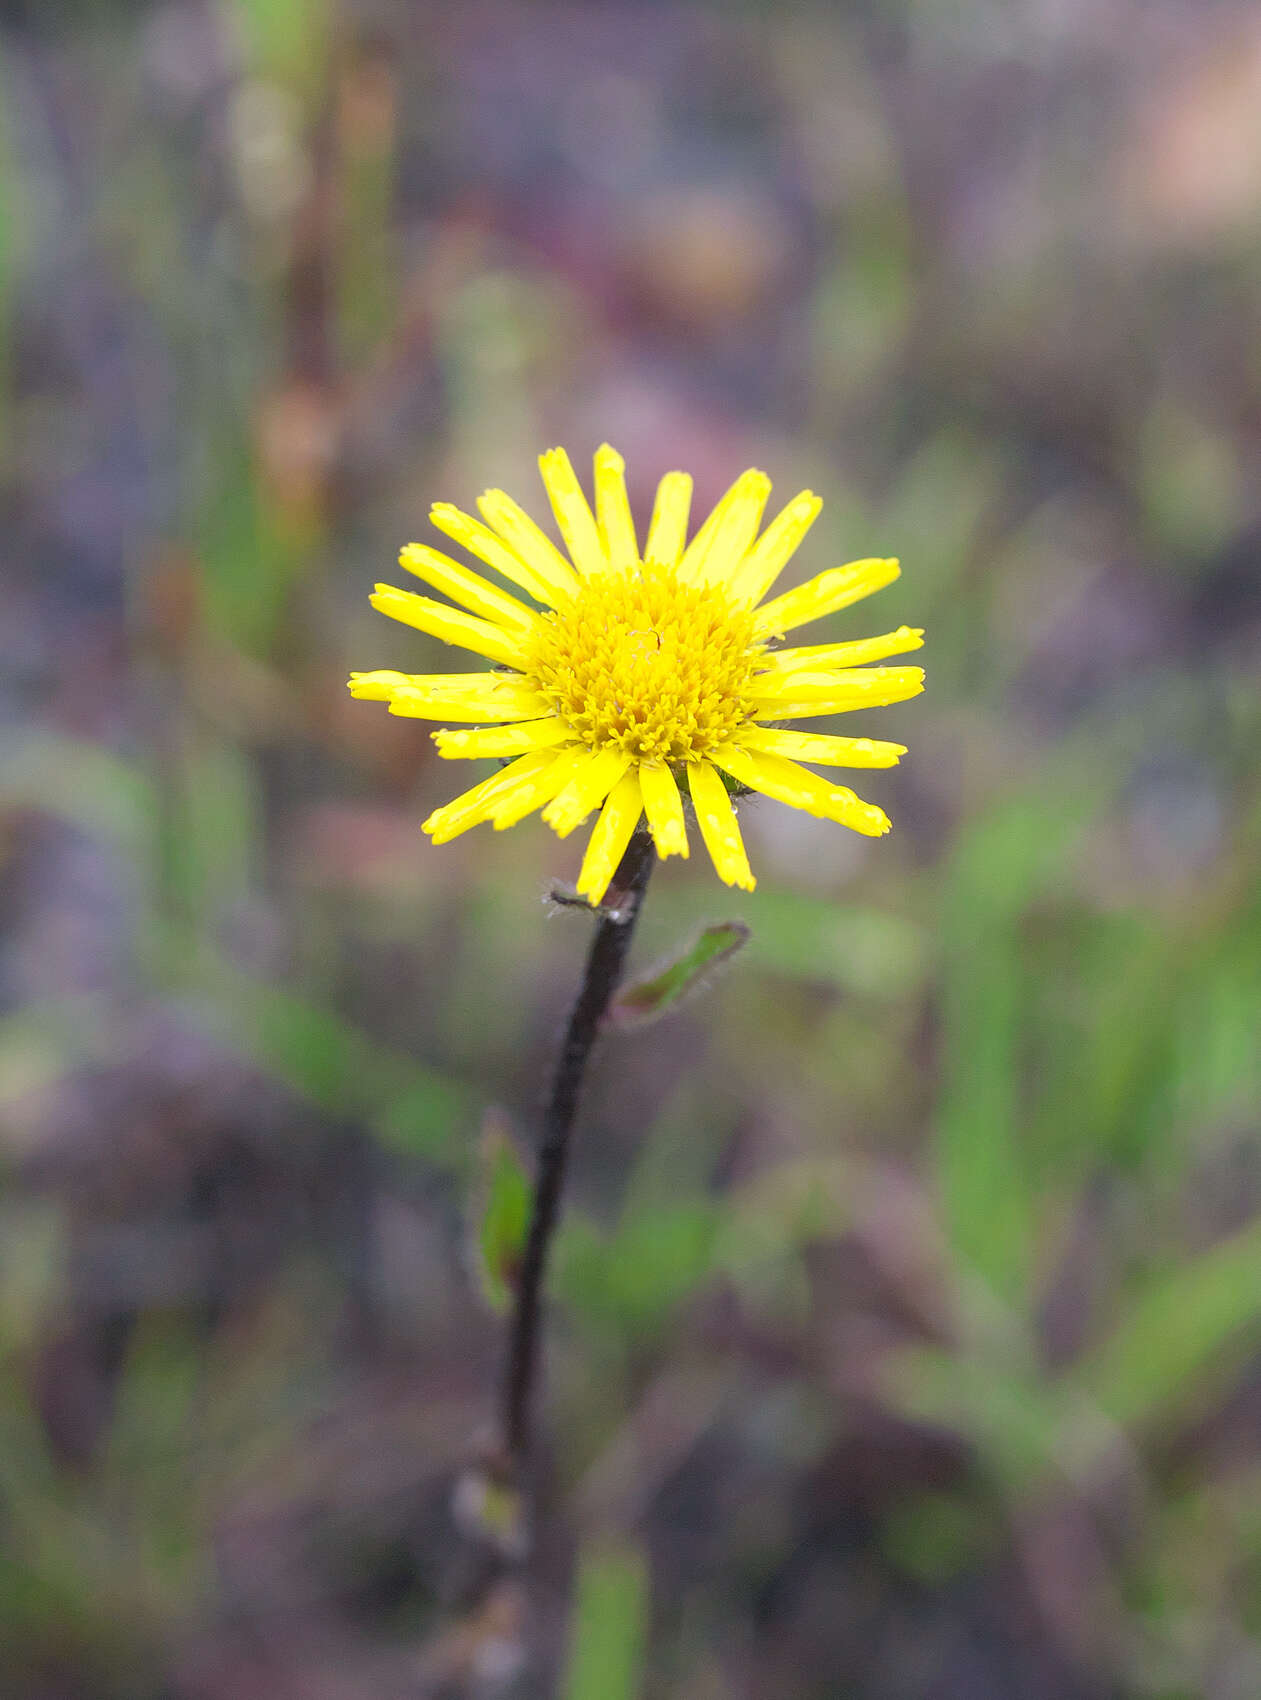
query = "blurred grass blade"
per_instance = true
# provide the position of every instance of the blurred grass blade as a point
(156, 1450)
(12, 214)
(502, 1212)
(1179, 1331)
(1002, 864)
(984, 1195)
(610, 1624)
(244, 561)
(81, 783)
(646, 999)
(286, 38)
(407, 1105)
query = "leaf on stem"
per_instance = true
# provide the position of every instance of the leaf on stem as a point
(665, 986)
(502, 1212)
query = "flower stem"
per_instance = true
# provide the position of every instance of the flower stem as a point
(605, 962)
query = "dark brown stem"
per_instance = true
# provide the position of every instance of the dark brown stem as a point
(605, 962)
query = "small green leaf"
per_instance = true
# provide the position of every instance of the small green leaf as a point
(646, 999)
(503, 1213)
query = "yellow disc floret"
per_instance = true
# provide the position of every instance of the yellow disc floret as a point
(646, 664)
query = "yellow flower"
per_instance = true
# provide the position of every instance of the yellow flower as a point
(642, 676)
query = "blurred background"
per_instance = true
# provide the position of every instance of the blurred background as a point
(906, 1332)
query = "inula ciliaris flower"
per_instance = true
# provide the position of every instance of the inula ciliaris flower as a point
(642, 676)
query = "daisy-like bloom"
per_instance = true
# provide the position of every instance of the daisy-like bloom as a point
(639, 677)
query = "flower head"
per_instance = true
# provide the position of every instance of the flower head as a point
(641, 677)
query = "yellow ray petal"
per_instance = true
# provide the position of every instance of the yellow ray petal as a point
(719, 827)
(775, 548)
(528, 543)
(802, 695)
(776, 685)
(452, 625)
(573, 515)
(609, 837)
(590, 785)
(382, 685)
(821, 747)
(719, 545)
(477, 804)
(488, 698)
(379, 686)
(734, 535)
(698, 548)
(612, 507)
(664, 808)
(532, 793)
(438, 687)
(668, 527)
(777, 777)
(481, 541)
(854, 654)
(824, 594)
(466, 587)
(863, 683)
(503, 740)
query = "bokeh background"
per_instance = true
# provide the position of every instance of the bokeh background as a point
(906, 1335)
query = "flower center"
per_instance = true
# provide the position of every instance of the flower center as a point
(644, 663)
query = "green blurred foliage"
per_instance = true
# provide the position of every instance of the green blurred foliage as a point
(917, 1263)
(610, 1628)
